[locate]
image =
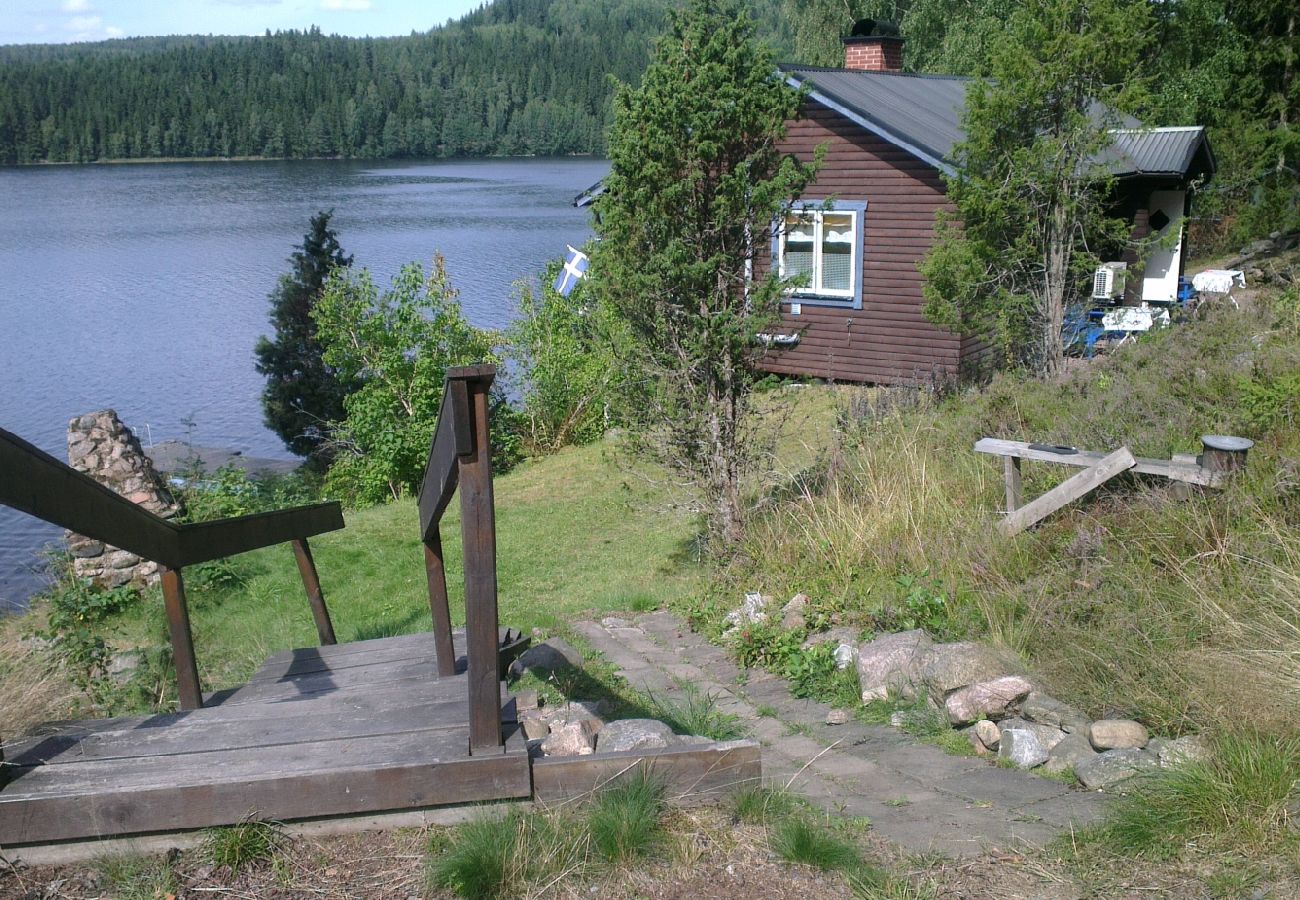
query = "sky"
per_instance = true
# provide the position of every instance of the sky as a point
(62, 21)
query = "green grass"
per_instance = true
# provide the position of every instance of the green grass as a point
(626, 821)
(697, 713)
(758, 805)
(496, 856)
(798, 840)
(1243, 798)
(137, 877)
(237, 846)
(576, 535)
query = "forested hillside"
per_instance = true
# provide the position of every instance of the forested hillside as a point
(514, 77)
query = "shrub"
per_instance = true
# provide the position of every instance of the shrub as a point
(232, 491)
(570, 381)
(76, 623)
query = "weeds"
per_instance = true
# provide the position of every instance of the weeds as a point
(237, 846)
(759, 805)
(697, 713)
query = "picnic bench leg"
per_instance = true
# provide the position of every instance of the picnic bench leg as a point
(311, 581)
(437, 577)
(1015, 494)
(178, 626)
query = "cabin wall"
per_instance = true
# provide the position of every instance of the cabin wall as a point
(888, 340)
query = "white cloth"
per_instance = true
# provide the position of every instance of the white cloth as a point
(1218, 281)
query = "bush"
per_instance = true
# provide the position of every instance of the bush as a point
(232, 491)
(77, 623)
(569, 377)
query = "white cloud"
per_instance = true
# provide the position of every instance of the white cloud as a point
(76, 6)
(82, 24)
(346, 5)
(114, 31)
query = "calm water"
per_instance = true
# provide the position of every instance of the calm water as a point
(144, 287)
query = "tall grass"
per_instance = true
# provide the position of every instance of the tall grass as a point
(1140, 600)
(1242, 798)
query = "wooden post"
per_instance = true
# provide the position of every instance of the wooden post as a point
(437, 577)
(1015, 493)
(178, 625)
(1224, 453)
(311, 581)
(478, 537)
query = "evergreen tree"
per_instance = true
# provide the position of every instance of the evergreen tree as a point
(303, 393)
(696, 182)
(1031, 199)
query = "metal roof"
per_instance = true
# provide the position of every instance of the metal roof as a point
(922, 114)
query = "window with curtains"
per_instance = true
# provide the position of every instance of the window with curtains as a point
(822, 248)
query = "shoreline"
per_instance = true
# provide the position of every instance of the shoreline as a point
(152, 160)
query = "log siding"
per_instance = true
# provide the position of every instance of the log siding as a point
(888, 340)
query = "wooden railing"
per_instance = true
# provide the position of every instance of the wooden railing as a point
(36, 483)
(461, 455)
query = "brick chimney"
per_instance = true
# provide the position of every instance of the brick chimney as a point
(873, 47)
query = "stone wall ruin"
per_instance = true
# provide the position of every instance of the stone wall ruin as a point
(100, 446)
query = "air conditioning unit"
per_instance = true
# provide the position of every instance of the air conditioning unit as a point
(1108, 281)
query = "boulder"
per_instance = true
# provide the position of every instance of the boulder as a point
(1118, 734)
(891, 662)
(947, 667)
(1190, 748)
(1072, 751)
(635, 734)
(988, 699)
(793, 613)
(1045, 710)
(576, 711)
(1021, 747)
(1113, 766)
(570, 739)
(551, 655)
(525, 700)
(987, 733)
(845, 656)
(837, 717)
(1048, 735)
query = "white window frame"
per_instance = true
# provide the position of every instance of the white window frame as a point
(813, 292)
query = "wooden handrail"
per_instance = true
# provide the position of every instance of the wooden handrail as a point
(34, 482)
(460, 455)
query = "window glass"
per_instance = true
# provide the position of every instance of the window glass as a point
(800, 247)
(837, 251)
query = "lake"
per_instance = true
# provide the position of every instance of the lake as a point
(143, 287)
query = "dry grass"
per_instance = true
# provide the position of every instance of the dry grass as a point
(33, 687)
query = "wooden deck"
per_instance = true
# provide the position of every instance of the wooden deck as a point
(325, 731)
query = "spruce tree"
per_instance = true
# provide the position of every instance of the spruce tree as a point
(303, 394)
(697, 180)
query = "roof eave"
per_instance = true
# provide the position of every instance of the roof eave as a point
(830, 101)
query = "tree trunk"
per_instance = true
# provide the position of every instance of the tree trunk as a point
(1053, 303)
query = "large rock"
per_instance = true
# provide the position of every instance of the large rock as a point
(1072, 751)
(987, 733)
(793, 614)
(1118, 734)
(839, 635)
(1045, 710)
(1113, 766)
(635, 734)
(1190, 748)
(552, 655)
(986, 700)
(570, 739)
(1048, 735)
(1021, 747)
(947, 667)
(891, 662)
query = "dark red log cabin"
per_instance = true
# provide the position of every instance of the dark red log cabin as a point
(889, 139)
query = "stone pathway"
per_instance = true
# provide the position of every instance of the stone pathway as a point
(914, 794)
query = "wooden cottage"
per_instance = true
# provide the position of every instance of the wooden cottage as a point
(889, 139)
